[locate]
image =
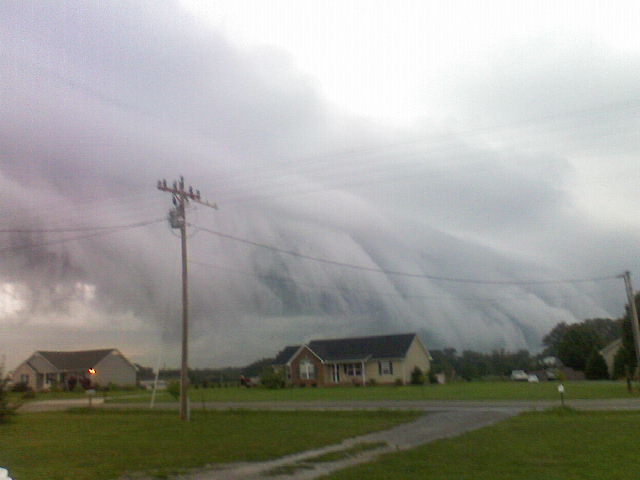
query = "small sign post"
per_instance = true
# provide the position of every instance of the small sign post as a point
(561, 391)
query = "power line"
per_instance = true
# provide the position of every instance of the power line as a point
(398, 273)
(79, 237)
(78, 229)
(476, 299)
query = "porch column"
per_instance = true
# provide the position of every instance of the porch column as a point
(363, 375)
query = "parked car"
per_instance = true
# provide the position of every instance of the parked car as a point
(519, 375)
(532, 379)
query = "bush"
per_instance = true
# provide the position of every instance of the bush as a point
(398, 382)
(6, 409)
(21, 387)
(417, 377)
(272, 378)
(71, 383)
(173, 388)
(85, 383)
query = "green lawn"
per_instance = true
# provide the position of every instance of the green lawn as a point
(105, 444)
(454, 391)
(552, 445)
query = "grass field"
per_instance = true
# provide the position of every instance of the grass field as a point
(106, 444)
(452, 391)
(552, 445)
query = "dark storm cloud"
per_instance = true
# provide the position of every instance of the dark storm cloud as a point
(102, 101)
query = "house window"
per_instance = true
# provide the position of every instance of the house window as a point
(24, 378)
(50, 378)
(385, 368)
(307, 370)
(353, 369)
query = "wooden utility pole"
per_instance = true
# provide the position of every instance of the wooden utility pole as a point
(633, 312)
(178, 220)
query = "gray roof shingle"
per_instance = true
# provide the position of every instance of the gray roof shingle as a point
(285, 355)
(79, 360)
(360, 348)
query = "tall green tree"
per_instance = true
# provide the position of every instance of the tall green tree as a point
(577, 344)
(596, 368)
(625, 360)
(552, 340)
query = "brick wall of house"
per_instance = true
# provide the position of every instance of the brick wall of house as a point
(306, 354)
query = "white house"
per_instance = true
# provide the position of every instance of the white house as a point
(44, 370)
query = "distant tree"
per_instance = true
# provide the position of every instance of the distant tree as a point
(257, 368)
(625, 361)
(578, 341)
(145, 373)
(444, 361)
(552, 340)
(608, 329)
(596, 368)
(473, 364)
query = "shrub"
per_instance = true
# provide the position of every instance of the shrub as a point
(20, 387)
(85, 383)
(398, 382)
(6, 409)
(71, 383)
(272, 378)
(417, 377)
(173, 388)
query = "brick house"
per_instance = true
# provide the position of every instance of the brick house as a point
(383, 359)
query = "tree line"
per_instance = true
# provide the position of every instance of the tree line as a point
(576, 345)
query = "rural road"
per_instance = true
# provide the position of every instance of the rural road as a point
(419, 405)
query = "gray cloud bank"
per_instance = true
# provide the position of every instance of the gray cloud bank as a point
(100, 102)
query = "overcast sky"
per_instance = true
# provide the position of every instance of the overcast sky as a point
(479, 146)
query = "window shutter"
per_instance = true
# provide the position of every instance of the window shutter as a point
(379, 368)
(391, 367)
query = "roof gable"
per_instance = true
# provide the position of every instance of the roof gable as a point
(285, 355)
(79, 360)
(361, 348)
